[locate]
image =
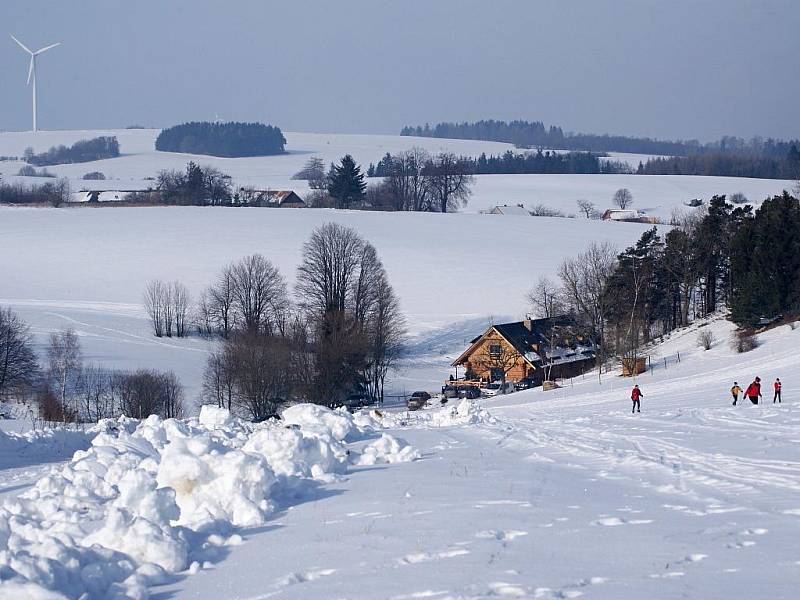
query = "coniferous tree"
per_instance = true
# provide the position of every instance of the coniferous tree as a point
(347, 185)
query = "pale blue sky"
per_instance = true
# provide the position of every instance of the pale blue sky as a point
(670, 69)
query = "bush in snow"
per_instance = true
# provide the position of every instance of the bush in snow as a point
(705, 339)
(744, 341)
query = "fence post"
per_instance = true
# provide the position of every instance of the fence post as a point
(665, 363)
(679, 357)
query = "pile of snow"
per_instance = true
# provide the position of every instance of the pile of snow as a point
(387, 450)
(148, 499)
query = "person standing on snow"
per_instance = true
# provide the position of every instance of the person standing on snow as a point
(735, 391)
(636, 393)
(777, 395)
(754, 390)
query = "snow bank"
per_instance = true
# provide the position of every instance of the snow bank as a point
(387, 449)
(144, 500)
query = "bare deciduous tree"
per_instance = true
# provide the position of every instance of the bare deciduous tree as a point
(588, 209)
(218, 378)
(155, 299)
(259, 294)
(313, 172)
(547, 299)
(409, 182)
(64, 366)
(623, 198)
(261, 373)
(18, 364)
(451, 181)
(584, 280)
(180, 307)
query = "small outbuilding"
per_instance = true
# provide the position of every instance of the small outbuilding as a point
(505, 209)
(271, 198)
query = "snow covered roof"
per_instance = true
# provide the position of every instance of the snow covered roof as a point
(514, 209)
(620, 215)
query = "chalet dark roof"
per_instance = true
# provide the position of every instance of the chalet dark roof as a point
(525, 334)
(532, 339)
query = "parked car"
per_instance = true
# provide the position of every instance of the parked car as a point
(424, 395)
(359, 400)
(525, 384)
(415, 403)
(496, 387)
(449, 391)
(470, 392)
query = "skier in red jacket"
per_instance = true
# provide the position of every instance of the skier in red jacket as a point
(777, 395)
(636, 393)
(754, 390)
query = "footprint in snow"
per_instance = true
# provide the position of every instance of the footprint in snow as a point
(617, 521)
(421, 557)
(502, 536)
(313, 575)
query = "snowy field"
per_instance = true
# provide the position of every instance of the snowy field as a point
(658, 195)
(90, 267)
(560, 494)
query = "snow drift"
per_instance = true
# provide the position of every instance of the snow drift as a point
(148, 499)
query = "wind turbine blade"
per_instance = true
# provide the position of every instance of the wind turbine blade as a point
(21, 45)
(30, 70)
(46, 48)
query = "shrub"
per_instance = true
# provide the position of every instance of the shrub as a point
(540, 210)
(94, 176)
(705, 339)
(29, 171)
(744, 341)
(738, 198)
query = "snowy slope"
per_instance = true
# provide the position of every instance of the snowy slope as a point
(562, 495)
(549, 495)
(90, 267)
(656, 194)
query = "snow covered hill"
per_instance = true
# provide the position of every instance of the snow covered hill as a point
(658, 195)
(559, 494)
(87, 268)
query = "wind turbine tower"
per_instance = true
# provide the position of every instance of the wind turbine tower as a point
(32, 71)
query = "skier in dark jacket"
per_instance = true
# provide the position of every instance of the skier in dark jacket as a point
(753, 390)
(636, 393)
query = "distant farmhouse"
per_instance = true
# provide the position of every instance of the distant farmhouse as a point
(270, 198)
(94, 196)
(626, 215)
(505, 209)
(533, 349)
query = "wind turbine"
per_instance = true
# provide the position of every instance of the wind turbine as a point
(32, 71)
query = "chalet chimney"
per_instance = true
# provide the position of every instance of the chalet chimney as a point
(528, 323)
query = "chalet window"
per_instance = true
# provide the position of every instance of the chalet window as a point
(495, 349)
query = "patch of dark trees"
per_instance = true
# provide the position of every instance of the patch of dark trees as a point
(228, 140)
(515, 163)
(727, 258)
(51, 193)
(727, 165)
(533, 134)
(82, 151)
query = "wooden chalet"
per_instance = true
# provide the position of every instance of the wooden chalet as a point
(536, 349)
